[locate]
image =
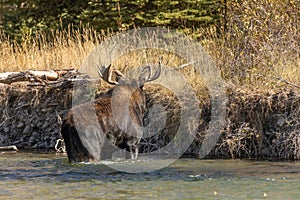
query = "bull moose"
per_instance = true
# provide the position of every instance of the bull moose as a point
(119, 114)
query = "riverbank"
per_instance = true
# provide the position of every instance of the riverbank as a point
(258, 124)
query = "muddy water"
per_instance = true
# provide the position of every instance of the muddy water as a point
(49, 176)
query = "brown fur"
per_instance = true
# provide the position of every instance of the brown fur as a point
(119, 113)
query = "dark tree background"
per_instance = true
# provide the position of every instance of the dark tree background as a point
(21, 18)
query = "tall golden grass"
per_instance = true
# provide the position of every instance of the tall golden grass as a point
(68, 49)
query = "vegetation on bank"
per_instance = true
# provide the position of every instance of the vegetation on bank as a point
(255, 45)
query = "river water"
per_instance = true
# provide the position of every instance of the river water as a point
(49, 176)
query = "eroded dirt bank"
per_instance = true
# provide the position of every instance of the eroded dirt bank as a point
(257, 125)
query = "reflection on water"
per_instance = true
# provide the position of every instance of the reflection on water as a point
(49, 176)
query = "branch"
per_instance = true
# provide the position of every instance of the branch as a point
(185, 65)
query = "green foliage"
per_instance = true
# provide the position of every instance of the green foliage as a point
(24, 18)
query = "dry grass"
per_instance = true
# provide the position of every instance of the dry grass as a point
(272, 66)
(264, 70)
(257, 47)
(65, 50)
(68, 50)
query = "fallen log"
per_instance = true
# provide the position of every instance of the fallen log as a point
(9, 148)
(31, 75)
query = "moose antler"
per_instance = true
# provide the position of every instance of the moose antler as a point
(157, 73)
(106, 73)
(147, 76)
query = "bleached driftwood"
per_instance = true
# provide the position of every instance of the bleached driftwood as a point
(8, 148)
(31, 75)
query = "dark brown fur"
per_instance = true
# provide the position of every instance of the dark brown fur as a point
(119, 114)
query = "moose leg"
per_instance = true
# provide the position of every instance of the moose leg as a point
(134, 151)
(75, 149)
(133, 148)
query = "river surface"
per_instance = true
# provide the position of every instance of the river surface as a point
(50, 176)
